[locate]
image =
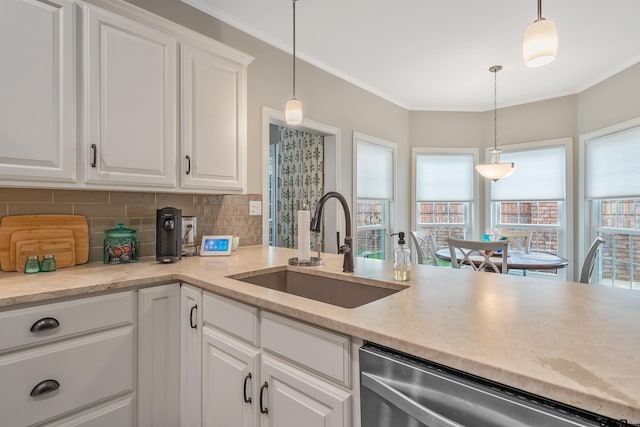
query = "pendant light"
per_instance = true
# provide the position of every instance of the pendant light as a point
(293, 110)
(495, 170)
(540, 43)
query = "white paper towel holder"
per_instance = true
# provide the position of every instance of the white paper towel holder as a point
(312, 262)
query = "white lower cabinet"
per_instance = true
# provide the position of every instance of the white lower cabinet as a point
(259, 368)
(190, 356)
(69, 363)
(291, 397)
(159, 356)
(230, 377)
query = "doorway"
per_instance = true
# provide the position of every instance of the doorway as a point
(272, 120)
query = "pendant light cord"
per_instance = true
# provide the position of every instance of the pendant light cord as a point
(294, 48)
(540, 18)
(495, 70)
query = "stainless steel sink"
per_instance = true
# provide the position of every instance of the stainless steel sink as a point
(343, 293)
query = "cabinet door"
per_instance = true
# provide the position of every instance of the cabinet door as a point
(213, 121)
(190, 356)
(159, 356)
(230, 381)
(130, 91)
(293, 398)
(37, 112)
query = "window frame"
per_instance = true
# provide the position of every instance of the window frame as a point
(565, 212)
(588, 211)
(391, 204)
(472, 209)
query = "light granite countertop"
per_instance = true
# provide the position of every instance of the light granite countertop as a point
(575, 343)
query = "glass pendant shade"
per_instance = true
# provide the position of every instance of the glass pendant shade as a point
(293, 112)
(540, 43)
(496, 170)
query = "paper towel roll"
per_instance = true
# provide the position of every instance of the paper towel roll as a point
(304, 235)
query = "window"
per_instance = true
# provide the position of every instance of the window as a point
(612, 193)
(444, 184)
(534, 197)
(375, 193)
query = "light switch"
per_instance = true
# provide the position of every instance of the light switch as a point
(255, 207)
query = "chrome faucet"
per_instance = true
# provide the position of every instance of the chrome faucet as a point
(347, 248)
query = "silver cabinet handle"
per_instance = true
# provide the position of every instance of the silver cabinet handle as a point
(94, 154)
(409, 406)
(45, 324)
(45, 387)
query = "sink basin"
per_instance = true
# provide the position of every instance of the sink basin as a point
(340, 292)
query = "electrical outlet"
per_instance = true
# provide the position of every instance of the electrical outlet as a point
(189, 235)
(255, 207)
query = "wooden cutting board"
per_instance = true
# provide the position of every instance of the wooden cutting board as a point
(37, 235)
(63, 251)
(76, 223)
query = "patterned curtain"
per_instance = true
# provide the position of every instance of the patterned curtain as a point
(299, 181)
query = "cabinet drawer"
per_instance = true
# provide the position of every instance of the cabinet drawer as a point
(235, 318)
(118, 413)
(320, 350)
(71, 317)
(87, 369)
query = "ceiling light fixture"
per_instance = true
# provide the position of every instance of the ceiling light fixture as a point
(540, 43)
(495, 170)
(293, 110)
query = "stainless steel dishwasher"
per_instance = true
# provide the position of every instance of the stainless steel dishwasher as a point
(398, 390)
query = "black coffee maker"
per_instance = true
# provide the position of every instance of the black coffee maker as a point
(168, 234)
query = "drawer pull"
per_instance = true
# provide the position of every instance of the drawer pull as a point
(263, 410)
(44, 387)
(45, 324)
(244, 389)
(194, 325)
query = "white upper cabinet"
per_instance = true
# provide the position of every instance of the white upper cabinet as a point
(130, 101)
(213, 118)
(37, 91)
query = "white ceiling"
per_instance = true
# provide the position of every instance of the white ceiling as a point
(435, 55)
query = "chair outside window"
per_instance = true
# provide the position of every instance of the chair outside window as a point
(479, 255)
(590, 260)
(519, 240)
(425, 247)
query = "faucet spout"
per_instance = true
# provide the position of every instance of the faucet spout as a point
(316, 221)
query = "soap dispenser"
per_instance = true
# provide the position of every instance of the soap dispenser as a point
(401, 259)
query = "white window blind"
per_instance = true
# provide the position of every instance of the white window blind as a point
(612, 165)
(540, 175)
(444, 177)
(375, 171)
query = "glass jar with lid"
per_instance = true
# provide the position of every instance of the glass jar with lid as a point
(48, 263)
(120, 245)
(31, 264)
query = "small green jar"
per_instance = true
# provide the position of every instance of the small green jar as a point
(48, 263)
(31, 265)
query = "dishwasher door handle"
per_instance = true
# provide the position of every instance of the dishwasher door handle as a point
(404, 403)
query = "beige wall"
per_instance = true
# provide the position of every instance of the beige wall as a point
(612, 101)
